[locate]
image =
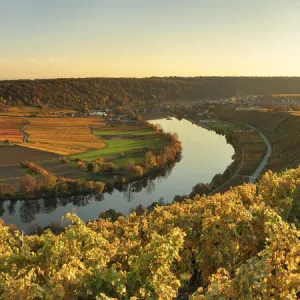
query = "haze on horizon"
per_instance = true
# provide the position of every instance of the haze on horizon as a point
(117, 38)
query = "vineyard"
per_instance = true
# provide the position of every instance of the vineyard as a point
(254, 148)
(10, 129)
(281, 129)
(238, 245)
(63, 135)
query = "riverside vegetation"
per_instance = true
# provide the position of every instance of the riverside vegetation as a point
(122, 160)
(243, 244)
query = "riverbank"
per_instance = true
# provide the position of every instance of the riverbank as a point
(103, 169)
(250, 154)
(200, 162)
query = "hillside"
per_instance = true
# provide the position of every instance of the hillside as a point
(105, 92)
(237, 245)
(281, 129)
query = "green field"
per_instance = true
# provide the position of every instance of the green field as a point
(223, 126)
(131, 147)
(147, 131)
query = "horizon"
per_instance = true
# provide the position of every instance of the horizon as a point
(149, 77)
(71, 39)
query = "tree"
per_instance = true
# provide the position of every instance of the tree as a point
(138, 171)
(150, 159)
(48, 182)
(200, 189)
(1, 190)
(27, 184)
(99, 186)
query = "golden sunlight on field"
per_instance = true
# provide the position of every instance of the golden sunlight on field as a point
(10, 129)
(63, 135)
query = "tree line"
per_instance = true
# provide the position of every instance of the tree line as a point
(99, 93)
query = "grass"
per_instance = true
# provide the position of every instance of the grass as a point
(147, 131)
(114, 147)
(226, 127)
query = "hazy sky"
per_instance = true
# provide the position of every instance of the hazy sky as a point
(140, 38)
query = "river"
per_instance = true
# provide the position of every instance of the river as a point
(204, 154)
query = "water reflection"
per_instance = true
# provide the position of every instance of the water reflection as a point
(204, 154)
(30, 208)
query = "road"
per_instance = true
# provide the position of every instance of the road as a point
(259, 169)
(264, 161)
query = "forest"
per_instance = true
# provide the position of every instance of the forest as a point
(97, 93)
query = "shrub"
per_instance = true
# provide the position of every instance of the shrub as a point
(108, 167)
(63, 160)
(81, 165)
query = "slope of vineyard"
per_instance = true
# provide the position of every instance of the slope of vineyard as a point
(243, 244)
(281, 129)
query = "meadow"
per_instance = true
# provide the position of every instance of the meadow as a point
(126, 145)
(120, 131)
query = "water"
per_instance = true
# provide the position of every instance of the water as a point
(204, 154)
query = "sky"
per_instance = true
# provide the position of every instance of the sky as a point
(143, 38)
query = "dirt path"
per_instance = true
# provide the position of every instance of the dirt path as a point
(25, 137)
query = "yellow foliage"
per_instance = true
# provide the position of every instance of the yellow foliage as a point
(236, 245)
(63, 136)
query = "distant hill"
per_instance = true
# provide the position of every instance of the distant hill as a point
(106, 92)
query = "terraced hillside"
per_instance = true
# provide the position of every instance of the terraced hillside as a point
(281, 129)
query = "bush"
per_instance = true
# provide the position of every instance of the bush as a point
(81, 165)
(108, 167)
(63, 160)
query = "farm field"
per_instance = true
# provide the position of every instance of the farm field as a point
(10, 129)
(122, 132)
(222, 126)
(134, 148)
(63, 136)
(87, 139)
(11, 175)
(63, 170)
(28, 111)
(14, 155)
